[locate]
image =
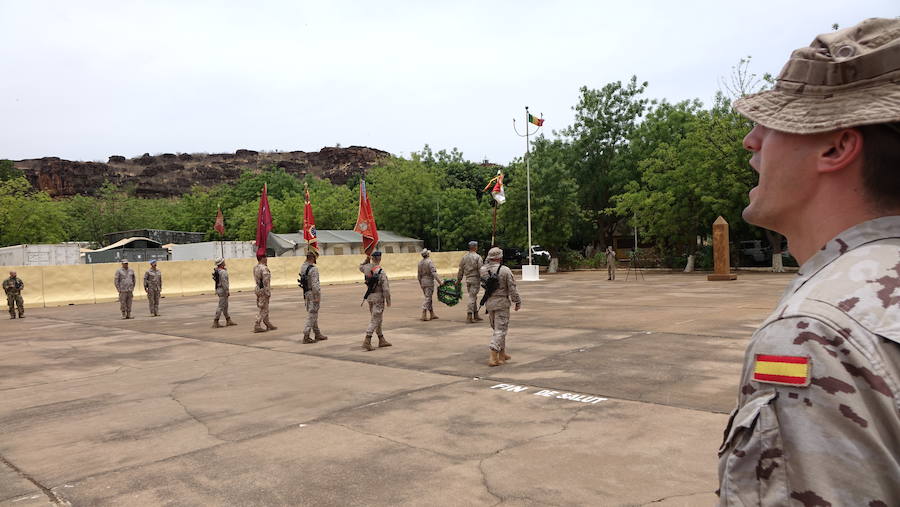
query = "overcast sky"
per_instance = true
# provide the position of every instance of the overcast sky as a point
(87, 79)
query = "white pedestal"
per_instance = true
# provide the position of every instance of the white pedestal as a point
(530, 273)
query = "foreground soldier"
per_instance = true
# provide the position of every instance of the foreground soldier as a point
(468, 268)
(500, 290)
(378, 294)
(263, 288)
(220, 277)
(13, 286)
(124, 282)
(153, 287)
(427, 275)
(312, 298)
(818, 414)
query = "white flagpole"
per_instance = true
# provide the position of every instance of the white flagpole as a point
(528, 180)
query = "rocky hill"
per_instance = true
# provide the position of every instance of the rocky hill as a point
(168, 174)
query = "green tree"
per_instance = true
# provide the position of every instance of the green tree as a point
(8, 171)
(27, 216)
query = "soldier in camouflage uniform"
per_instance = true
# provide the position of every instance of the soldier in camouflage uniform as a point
(498, 303)
(13, 286)
(312, 298)
(469, 267)
(263, 288)
(223, 290)
(817, 421)
(124, 281)
(610, 263)
(377, 299)
(153, 287)
(427, 275)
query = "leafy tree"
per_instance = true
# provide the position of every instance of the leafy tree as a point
(27, 216)
(8, 171)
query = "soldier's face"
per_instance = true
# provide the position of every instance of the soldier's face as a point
(786, 166)
(12, 274)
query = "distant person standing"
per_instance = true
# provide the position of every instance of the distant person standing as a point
(124, 281)
(499, 291)
(153, 287)
(13, 286)
(611, 263)
(378, 295)
(263, 288)
(469, 267)
(427, 275)
(223, 290)
(312, 298)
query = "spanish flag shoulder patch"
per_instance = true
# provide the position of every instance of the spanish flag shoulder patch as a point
(786, 370)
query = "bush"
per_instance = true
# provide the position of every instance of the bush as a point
(570, 259)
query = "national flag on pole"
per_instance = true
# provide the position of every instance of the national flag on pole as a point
(534, 119)
(365, 223)
(263, 222)
(309, 226)
(220, 222)
(498, 192)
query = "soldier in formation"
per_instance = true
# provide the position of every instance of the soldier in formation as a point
(153, 287)
(220, 277)
(263, 287)
(124, 281)
(13, 286)
(469, 267)
(312, 298)
(378, 294)
(818, 413)
(500, 291)
(427, 275)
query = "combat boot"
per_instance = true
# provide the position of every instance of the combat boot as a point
(382, 342)
(367, 343)
(270, 327)
(504, 357)
(477, 317)
(307, 339)
(424, 315)
(229, 322)
(258, 329)
(12, 315)
(129, 316)
(216, 324)
(469, 318)
(123, 316)
(495, 358)
(321, 337)
(433, 316)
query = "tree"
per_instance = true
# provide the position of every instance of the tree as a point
(27, 216)
(8, 171)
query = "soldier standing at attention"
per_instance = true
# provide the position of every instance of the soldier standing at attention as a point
(13, 286)
(378, 294)
(125, 281)
(611, 263)
(817, 420)
(153, 287)
(427, 276)
(468, 268)
(499, 290)
(312, 297)
(263, 278)
(220, 276)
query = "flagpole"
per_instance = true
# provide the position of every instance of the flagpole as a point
(494, 230)
(528, 180)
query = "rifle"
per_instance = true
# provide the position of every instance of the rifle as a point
(304, 279)
(371, 283)
(490, 285)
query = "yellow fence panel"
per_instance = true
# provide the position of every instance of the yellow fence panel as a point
(68, 285)
(284, 270)
(240, 274)
(196, 277)
(172, 274)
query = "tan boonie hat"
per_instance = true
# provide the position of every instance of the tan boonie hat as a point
(846, 78)
(495, 253)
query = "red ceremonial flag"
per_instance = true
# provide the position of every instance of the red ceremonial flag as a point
(365, 223)
(263, 223)
(220, 223)
(309, 226)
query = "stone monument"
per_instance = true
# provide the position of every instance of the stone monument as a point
(721, 255)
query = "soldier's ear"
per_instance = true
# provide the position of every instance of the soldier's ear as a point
(839, 150)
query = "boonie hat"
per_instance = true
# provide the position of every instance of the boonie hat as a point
(473, 243)
(220, 261)
(495, 253)
(124, 261)
(846, 78)
(426, 252)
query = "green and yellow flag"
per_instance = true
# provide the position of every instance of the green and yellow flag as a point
(534, 119)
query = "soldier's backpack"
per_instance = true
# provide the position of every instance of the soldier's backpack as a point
(303, 281)
(215, 277)
(490, 284)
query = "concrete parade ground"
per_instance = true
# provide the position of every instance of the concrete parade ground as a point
(617, 394)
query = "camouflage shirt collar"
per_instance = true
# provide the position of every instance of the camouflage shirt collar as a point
(852, 238)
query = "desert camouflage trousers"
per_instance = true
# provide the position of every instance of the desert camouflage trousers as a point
(125, 299)
(15, 300)
(312, 319)
(262, 303)
(472, 287)
(376, 308)
(428, 304)
(153, 301)
(222, 308)
(499, 320)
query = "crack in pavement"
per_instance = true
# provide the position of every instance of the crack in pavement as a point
(173, 397)
(658, 500)
(398, 442)
(51, 495)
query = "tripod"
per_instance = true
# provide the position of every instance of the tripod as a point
(634, 264)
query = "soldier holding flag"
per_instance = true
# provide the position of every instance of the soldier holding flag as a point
(261, 274)
(378, 292)
(309, 276)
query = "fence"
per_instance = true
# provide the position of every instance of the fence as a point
(93, 283)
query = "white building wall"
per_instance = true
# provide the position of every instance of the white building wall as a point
(210, 250)
(41, 255)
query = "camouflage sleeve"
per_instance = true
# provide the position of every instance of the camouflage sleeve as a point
(314, 284)
(160, 281)
(815, 401)
(116, 279)
(510, 281)
(267, 278)
(385, 287)
(147, 280)
(434, 272)
(462, 268)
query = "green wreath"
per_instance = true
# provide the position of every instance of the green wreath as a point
(449, 292)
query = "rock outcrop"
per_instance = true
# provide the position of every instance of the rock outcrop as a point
(170, 174)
